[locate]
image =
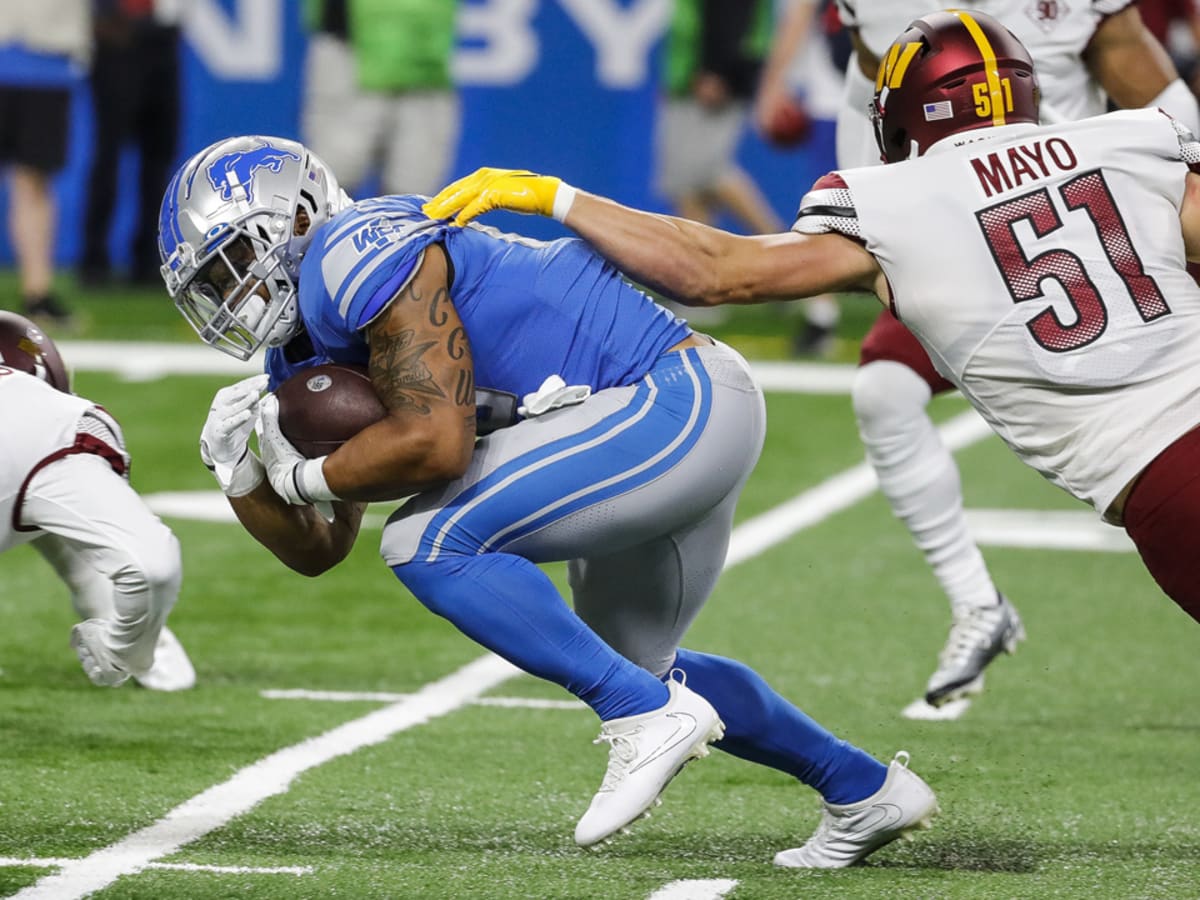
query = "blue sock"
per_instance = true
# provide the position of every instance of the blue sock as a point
(763, 727)
(508, 605)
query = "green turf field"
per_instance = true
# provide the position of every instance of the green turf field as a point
(1074, 776)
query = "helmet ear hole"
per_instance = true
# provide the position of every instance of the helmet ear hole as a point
(302, 222)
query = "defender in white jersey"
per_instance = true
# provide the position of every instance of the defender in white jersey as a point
(1043, 269)
(64, 487)
(1086, 53)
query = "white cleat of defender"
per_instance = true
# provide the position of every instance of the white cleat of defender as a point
(848, 834)
(172, 670)
(645, 752)
(976, 638)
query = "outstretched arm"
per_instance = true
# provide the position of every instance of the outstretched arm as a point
(693, 263)
(421, 368)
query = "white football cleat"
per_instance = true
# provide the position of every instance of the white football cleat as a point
(977, 636)
(850, 833)
(645, 752)
(172, 670)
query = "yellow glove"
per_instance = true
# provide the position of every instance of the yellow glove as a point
(512, 189)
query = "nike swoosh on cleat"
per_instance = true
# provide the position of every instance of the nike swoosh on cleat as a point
(879, 817)
(685, 727)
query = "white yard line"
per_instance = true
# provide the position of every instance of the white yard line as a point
(834, 494)
(146, 361)
(695, 889)
(269, 776)
(54, 862)
(385, 697)
(1065, 529)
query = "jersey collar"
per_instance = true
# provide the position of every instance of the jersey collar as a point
(979, 136)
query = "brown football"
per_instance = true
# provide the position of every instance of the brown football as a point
(323, 407)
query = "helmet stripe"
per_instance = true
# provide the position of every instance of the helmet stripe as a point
(897, 74)
(989, 63)
(885, 66)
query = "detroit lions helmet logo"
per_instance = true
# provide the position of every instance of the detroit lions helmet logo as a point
(235, 170)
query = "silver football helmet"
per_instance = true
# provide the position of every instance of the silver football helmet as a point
(235, 223)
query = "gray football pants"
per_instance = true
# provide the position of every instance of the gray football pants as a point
(636, 487)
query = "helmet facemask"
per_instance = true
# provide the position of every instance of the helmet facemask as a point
(239, 295)
(235, 224)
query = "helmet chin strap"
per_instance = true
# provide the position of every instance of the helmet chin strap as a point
(285, 326)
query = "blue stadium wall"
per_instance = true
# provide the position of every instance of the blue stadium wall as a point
(563, 86)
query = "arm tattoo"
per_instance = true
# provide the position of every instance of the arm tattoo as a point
(397, 368)
(401, 376)
(464, 389)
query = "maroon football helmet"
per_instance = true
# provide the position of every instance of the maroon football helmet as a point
(26, 348)
(950, 72)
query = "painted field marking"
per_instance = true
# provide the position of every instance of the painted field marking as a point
(148, 361)
(1070, 529)
(836, 494)
(54, 862)
(695, 889)
(385, 697)
(918, 709)
(269, 776)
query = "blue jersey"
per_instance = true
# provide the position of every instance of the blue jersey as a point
(530, 308)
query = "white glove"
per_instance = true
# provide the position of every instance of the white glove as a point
(297, 480)
(99, 662)
(553, 394)
(225, 439)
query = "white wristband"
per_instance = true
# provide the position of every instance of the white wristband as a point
(309, 477)
(1178, 102)
(244, 477)
(564, 197)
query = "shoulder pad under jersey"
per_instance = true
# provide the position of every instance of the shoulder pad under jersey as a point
(828, 207)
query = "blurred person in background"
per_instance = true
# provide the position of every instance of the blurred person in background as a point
(378, 95)
(64, 486)
(135, 95)
(1176, 25)
(45, 49)
(714, 54)
(778, 114)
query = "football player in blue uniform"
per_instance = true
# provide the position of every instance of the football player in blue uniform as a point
(613, 437)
